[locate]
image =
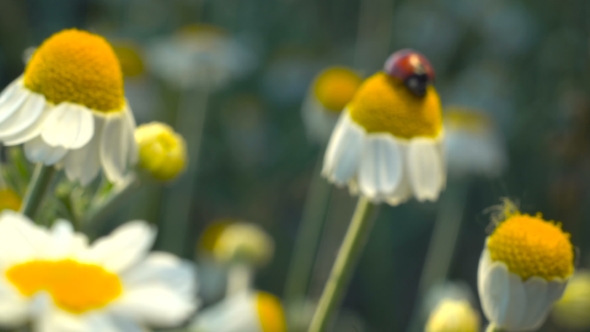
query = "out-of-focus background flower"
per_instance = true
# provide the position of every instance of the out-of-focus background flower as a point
(524, 65)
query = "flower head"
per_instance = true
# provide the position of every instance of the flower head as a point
(60, 282)
(252, 311)
(453, 316)
(387, 142)
(571, 311)
(523, 270)
(162, 152)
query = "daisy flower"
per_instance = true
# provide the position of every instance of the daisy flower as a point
(472, 145)
(453, 316)
(387, 143)
(523, 270)
(162, 152)
(57, 281)
(245, 312)
(329, 93)
(69, 107)
(571, 311)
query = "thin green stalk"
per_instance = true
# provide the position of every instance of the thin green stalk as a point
(442, 245)
(308, 236)
(348, 255)
(36, 190)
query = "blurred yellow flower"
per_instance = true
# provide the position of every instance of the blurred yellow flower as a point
(69, 107)
(162, 152)
(130, 58)
(572, 310)
(329, 93)
(523, 270)
(9, 200)
(453, 316)
(252, 312)
(387, 144)
(55, 279)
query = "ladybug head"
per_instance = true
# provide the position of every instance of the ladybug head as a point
(412, 68)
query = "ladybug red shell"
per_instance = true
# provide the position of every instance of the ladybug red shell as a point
(412, 68)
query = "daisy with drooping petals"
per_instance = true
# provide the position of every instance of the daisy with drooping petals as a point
(69, 107)
(387, 143)
(245, 312)
(524, 268)
(329, 93)
(56, 280)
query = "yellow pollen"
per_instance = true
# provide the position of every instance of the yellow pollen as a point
(335, 87)
(384, 104)
(75, 287)
(463, 119)
(79, 67)
(129, 56)
(531, 246)
(9, 200)
(270, 312)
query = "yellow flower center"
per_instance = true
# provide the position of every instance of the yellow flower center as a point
(130, 58)
(270, 312)
(384, 104)
(79, 67)
(335, 87)
(162, 152)
(462, 119)
(531, 246)
(75, 287)
(9, 200)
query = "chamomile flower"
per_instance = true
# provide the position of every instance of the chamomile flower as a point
(453, 316)
(571, 311)
(245, 312)
(523, 270)
(387, 143)
(56, 280)
(328, 95)
(162, 152)
(472, 145)
(200, 56)
(69, 107)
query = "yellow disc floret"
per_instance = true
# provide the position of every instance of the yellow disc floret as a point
(75, 287)
(9, 200)
(531, 246)
(335, 87)
(384, 104)
(162, 152)
(270, 313)
(79, 67)
(463, 119)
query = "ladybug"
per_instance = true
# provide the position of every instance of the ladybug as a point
(412, 68)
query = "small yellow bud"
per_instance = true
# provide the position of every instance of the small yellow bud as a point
(9, 200)
(453, 316)
(162, 152)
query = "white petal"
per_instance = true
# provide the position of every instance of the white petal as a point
(515, 311)
(124, 324)
(536, 294)
(31, 132)
(55, 320)
(495, 293)
(84, 164)
(155, 305)
(67, 243)
(24, 117)
(381, 166)
(20, 239)
(12, 99)
(114, 147)
(126, 246)
(344, 151)
(14, 308)
(426, 169)
(133, 153)
(37, 151)
(68, 125)
(163, 269)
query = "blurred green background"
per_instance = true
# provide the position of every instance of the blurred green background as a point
(525, 63)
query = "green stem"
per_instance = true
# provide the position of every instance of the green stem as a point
(308, 236)
(348, 255)
(36, 190)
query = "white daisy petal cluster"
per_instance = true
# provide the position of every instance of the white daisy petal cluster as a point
(387, 144)
(58, 281)
(69, 108)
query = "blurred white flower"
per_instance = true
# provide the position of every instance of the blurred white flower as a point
(572, 310)
(245, 312)
(55, 279)
(453, 316)
(69, 108)
(200, 56)
(472, 146)
(328, 95)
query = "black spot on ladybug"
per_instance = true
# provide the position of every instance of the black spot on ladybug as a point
(412, 68)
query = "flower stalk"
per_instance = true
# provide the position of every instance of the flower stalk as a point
(36, 190)
(348, 255)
